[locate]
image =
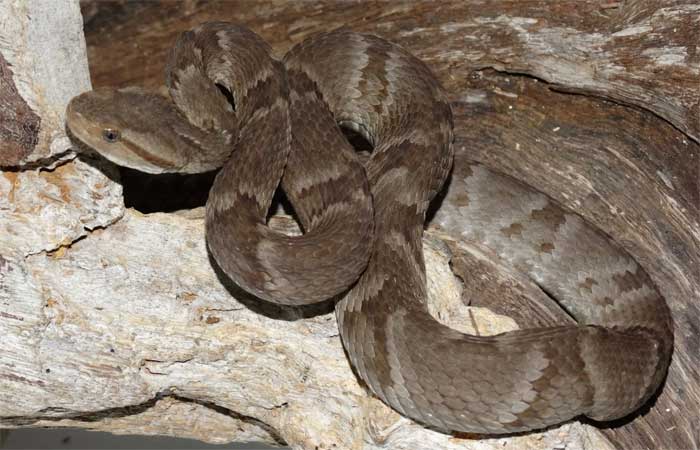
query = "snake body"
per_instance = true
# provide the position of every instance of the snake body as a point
(363, 226)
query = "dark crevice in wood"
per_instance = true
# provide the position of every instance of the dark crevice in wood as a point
(57, 414)
(563, 89)
(274, 434)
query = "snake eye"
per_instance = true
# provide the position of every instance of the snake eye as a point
(111, 135)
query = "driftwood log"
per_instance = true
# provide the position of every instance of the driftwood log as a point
(111, 319)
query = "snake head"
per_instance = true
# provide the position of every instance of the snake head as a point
(130, 127)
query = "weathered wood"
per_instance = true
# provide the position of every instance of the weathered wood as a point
(40, 41)
(161, 339)
(629, 166)
(638, 52)
(19, 126)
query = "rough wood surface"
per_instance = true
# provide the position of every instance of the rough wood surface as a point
(40, 41)
(160, 339)
(163, 338)
(638, 52)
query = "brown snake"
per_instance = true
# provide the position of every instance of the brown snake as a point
(363, 226)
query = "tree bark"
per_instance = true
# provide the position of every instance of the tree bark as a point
(115, 320)
(37, 55)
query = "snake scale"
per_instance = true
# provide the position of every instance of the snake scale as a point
(363, 226)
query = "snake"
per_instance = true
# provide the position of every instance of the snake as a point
(267, 123)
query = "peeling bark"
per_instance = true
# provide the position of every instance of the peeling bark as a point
(42, 53)
(19, 126)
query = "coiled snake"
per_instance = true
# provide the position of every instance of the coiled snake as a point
(363, 226)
